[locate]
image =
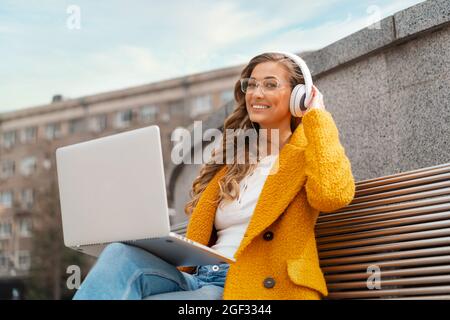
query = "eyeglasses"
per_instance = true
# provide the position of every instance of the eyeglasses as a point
(249, 85)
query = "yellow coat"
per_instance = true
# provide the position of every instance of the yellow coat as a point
(278, 258)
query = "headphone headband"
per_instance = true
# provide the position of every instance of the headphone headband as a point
(305, 71)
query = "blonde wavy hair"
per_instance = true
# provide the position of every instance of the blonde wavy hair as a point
(238, 119)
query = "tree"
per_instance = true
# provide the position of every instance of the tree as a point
(49, 256)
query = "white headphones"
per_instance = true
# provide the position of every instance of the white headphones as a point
(302, 92)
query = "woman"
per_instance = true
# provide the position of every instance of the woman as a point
(265, 221)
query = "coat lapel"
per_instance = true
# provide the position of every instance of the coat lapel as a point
(278, 191)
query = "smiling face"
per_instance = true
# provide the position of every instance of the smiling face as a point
(277, 115)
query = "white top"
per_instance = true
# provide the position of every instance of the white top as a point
(233, 217)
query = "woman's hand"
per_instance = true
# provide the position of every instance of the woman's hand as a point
(316, 101)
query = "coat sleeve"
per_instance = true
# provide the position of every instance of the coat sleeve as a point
(330, 184)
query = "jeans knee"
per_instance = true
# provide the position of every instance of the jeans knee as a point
(122, 256)
(114, 250)
(117, 257)
(118, 254)
(116, 246)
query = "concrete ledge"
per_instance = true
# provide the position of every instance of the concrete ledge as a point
(421, 17)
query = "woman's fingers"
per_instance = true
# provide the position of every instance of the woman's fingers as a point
(312, 97)
(316, 99)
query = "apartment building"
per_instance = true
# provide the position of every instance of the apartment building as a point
(29, 138)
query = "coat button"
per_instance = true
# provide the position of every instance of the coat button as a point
(268, 235)
(269, 283)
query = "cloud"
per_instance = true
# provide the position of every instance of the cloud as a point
(8, 30)
(315, 38)
(124, 58)
(307, 39)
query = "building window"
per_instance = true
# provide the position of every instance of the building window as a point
(123, 118)
(53, 131)
(177, 107)
(226, 96)
(6, 199)
(28, 166)
(7, 169)
(3, 261)
(98, 123)
(5, 230)
(76, 126)
(148, 113)
(9, 139)
(24, 262)
(29, 135)
(27, 198)
(201, 105)
(25, 227)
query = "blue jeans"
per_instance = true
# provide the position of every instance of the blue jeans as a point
(126, 272)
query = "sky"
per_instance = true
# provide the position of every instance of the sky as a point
(80, 47)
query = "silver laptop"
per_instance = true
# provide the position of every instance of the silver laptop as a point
(112, 189)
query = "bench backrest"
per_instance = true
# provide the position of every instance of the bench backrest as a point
(398, 225)
(397, 230)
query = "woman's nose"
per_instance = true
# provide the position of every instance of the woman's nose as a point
(258, 92)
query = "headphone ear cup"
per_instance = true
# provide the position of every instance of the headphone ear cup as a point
(297, 102)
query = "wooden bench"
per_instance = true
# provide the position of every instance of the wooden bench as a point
(397, 230)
